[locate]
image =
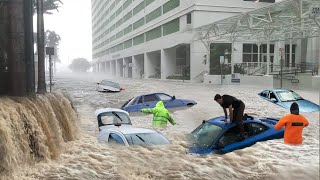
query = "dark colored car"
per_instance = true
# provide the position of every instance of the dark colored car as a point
(150, 101)
(285, 98)
(217, 136)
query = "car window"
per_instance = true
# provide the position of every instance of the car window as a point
(252, 129)
(272, 95)
(132, 101)
(109, 118)
(164, 97)
(146, 138)
(288, 96)
(140, 100)
(115, 138)
(230, 136)
(205, 134)
(264, 94)
(150, 98)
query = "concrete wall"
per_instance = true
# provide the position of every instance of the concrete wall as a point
(197, 53)
(264, 81)
(212, 79)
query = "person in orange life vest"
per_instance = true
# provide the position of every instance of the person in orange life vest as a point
(294, 123)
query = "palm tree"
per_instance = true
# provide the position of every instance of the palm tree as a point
(52, 40)
(43, 6)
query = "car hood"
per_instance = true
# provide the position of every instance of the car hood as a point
(304, 105)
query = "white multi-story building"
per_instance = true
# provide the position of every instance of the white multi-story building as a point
(156, 38)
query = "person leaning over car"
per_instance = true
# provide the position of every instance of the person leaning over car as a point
(160, 115)
(236, 109)
(294, 123)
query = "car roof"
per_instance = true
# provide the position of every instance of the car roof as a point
(153, 94)
(126, 130)
(104, 110)
(277, 90)
(219, 121)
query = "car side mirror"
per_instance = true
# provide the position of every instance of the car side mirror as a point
(173, 97)
(273, 100)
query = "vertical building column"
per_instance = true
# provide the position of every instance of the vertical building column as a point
(135, 72)
(164, 64)
(147, 66)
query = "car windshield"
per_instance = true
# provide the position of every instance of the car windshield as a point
(205, 134)
(111, 84)
(146, 139)
(109, 118)
(288, 96)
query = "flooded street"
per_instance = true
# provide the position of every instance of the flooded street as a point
(86, 158)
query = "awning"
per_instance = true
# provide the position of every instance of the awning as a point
(289, 19)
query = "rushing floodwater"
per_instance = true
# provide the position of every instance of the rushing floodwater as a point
(85, 158)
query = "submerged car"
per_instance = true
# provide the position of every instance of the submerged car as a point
(218, 136)
(108, 86)
(150, 101)
(285, 98)
(115, 127)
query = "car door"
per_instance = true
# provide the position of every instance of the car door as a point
(117, 138)
(150, 100)
(138, 105)
(230, 140)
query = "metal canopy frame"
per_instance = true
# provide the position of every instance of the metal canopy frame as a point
(286, 20)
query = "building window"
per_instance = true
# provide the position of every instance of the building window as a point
(170, 5)
(147, 2)
(138, 8)
(138, 23)
(287, 55)
(263, 53)
(171, 27)
(250, 53)
(138, 39)
(153, 15)
(153, 34)
(189, 20)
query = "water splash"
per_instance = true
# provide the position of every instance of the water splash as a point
(34, 129)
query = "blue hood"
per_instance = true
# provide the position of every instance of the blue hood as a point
(304, 105)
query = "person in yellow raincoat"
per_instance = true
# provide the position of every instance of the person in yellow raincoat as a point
(160, 115)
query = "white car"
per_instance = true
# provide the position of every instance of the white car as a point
(108, 86)
(115, 127)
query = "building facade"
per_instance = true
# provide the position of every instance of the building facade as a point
(156, 38)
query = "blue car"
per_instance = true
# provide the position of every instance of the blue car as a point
(285, 98)
(215, 136)
(150, 101)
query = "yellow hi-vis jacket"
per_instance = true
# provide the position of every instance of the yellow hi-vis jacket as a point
(160, 115)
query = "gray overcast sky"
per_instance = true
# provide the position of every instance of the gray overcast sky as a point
(73, 24)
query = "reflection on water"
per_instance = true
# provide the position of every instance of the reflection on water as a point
(85, 158)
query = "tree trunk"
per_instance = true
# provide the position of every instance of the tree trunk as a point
(40, 39)
(16, 48)
(29, 50)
